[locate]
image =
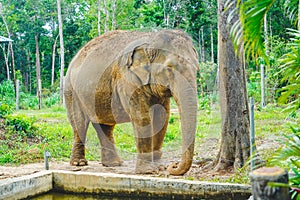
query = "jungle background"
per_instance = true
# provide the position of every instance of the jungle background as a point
(35, 54)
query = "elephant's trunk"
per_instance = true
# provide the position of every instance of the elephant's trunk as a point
(185, 95)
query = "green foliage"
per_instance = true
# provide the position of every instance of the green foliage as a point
(7, 93)
(52, 100)
(20, 124)
(206, 81)
(290, 153)
(173, 131)
(5, 110)
(291, 73)
(28, 101)
(253, 86)
(207, 76)
(248, 29)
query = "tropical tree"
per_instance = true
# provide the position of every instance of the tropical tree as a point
(62, 50)
(235, 139)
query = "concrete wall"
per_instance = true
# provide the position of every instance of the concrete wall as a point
(22, 187)
(118, 185)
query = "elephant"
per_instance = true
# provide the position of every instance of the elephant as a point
(130, 76)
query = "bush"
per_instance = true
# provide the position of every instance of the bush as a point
(28, 101)
(21, 124)
(7, 93)
(5, 109)
(52, 100)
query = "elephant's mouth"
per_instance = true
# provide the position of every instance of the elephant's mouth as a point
(160, 90)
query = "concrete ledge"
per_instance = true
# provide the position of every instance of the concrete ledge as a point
(123, 185)
(118, 185)
(22, 187)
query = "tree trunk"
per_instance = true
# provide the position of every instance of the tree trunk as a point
(6, 61)
(262, 84)
(260, 178)
(235, 139)
(106, 16)
(99, 17)
(12, 63)
(262, 67)
(38, 71)
(27, 71)
(165, 14)
(212, 44)
(202, 46)
(199, 45)
(114, 9)
(62, 52)
(53, 60)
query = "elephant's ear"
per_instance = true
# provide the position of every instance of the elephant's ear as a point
(126, 58)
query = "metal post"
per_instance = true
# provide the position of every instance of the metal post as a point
(46, 158)
(252, 134)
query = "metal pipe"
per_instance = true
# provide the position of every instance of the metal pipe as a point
(46, 159)
(252, 134)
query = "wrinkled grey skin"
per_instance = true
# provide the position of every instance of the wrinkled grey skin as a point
(129, 77)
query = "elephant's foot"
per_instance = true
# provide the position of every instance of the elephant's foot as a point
(148, 163)
(78, 155)
(112, 162)
(146, 167)
(157, 155)
(110, 158)
(78, 161)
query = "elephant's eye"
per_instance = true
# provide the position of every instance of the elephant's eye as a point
(170, 64)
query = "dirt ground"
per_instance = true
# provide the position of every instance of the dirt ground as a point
(206, 151)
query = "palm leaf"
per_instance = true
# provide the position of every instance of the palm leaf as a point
(291, 10)
(291, 149)
(248, 31)
(290, 72)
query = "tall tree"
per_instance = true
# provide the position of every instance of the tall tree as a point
(212, 44)
(106, 11)
(114, 9)
(235, 140)
(53, 60)
(38, 70)
(62, 51)
(99, 17)
(10, 48)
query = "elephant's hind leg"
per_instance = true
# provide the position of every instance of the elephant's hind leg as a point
(79, 122)
(109, 154)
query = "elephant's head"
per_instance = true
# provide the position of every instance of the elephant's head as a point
(167, 61)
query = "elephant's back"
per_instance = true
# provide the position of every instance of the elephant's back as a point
(107, 46)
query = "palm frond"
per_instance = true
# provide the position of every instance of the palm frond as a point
(290, 72)
(248, 30)
(290, 8)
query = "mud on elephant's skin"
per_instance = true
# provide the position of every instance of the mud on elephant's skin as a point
(129, 77)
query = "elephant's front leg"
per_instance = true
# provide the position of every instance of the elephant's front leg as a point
(148, 146)
(109, 154)
(144, 143)
(159, 117)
